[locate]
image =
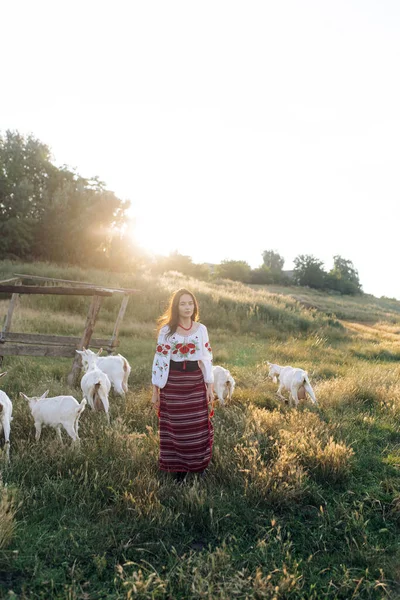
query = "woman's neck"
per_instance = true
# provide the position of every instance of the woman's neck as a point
(185, 321)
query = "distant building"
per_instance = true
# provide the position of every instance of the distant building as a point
(288, 274)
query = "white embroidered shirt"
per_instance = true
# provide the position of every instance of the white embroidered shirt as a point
(195, 346)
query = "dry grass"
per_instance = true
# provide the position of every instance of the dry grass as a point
(297, 504)
(7, 516)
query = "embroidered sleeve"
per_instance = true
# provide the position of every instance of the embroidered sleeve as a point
(206, 357)
(161, 361)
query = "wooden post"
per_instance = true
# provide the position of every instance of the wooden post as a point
(118, 322)
(11, 306)
(85, 340)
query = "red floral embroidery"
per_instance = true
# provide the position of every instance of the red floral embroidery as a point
(183, 349)
(208, 346)
(163, 349)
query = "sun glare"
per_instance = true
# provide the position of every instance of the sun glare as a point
(152, 235)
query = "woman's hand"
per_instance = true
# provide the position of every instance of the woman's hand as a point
(210, 393)
(155, 399)
(210, 399)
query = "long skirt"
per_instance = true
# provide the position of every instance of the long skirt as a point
(186, 432)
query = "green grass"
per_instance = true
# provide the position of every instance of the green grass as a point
(296, 505)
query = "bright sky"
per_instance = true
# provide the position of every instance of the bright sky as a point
(233, 127)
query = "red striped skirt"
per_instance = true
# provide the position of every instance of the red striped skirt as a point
(186, 432)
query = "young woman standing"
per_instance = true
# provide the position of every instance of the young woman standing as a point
(183, 387)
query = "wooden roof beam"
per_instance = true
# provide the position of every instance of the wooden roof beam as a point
(58, 291)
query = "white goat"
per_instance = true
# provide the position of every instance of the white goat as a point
(58, 411)
(5, 418)
(96, 386)
(224, 384)
(293, 380)
(116, 368)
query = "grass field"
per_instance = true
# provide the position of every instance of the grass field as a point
(296, 504)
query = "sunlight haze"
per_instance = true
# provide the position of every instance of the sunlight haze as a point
(232, 127)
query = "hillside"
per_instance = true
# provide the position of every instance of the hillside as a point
(296, 504)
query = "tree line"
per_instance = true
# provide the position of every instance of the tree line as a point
(55, 214)
(52, 213)
(308, 271)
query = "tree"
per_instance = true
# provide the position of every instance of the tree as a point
(273, 260)
(50, 213)
(80, 222)
(272, 267)
(123, 253)
(343, 277)
(262, 276)
(25, 170)
(309, 271)
(174, 262)
(237, 270)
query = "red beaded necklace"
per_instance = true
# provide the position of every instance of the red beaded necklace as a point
(185, 328)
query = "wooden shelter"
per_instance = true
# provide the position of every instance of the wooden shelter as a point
(34, 344)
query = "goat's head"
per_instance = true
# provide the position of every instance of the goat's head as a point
(34, 399)
(274, 371)
(89, 358)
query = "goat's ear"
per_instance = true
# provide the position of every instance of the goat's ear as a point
(83, 348)
(100, 351)
(45, 394)
(269, 364)
(23, 396)
(2, 374)
(80, 351)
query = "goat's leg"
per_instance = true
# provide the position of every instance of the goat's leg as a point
(279, 393)
(69, 428)
(103, 397)
(38, 427)
(294, 395)
(58, 430)
(125, 378)
(119, 389)
(6, 429)
(310, 391)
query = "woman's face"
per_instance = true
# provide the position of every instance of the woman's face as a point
(186, 306)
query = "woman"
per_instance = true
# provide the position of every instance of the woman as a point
(183, 387)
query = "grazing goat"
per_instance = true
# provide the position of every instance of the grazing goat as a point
(58, 411)
(293, 380)
(116, 368)
(96, 386)
(5, 418)
(224, 384)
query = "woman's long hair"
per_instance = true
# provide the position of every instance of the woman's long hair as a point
(171, 315)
